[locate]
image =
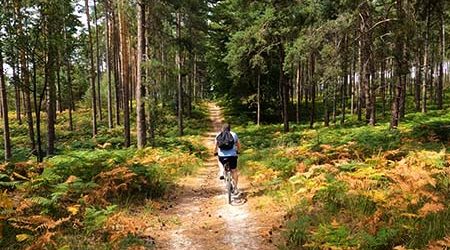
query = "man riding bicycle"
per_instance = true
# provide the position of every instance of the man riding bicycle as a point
(227, 146)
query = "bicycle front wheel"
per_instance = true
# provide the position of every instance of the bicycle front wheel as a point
(229, 190)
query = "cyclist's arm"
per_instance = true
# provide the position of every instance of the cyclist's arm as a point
(238, 146)
(215, 146)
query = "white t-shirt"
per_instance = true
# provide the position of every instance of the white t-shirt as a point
(229, 152)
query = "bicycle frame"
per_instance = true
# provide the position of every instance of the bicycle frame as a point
(229, 182)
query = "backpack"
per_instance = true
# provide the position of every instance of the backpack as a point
(225, 140)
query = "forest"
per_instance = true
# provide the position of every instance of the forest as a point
(108, 110)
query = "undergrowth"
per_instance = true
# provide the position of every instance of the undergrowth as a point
(353, 186)
(86, 196)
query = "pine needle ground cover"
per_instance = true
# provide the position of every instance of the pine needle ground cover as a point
(353, 186)
(92, 194)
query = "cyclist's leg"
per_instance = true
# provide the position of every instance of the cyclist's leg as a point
(221, 170)
(235, 175)
(234, 170)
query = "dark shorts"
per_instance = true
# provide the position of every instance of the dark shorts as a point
(232, 160)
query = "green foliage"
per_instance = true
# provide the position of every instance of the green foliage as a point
(95, 218)
(353, 186)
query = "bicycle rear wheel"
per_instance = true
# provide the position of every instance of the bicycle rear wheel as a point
(229, 187)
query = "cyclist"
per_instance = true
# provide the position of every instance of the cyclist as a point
(227, 146)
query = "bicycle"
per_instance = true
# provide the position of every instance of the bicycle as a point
(229, 182)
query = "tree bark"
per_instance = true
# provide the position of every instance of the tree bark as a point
(284, 91)
(298, 87)
(125, 77)
(402, 67)
(440, 83)
(312, 91)
(25, 80)
(4, 100)
(140, 89)
(108, 64)
(179, 77)
(17, 99)
(92, 72)
(425, 66)
(99, 75)
(258, 99)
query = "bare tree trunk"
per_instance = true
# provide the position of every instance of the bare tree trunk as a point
(194, 78)
(345, 77)
(140, 89)
(4, 100)
(440, 83)
(284, 91)
(326, 117)
(298, 87)
(417, 82)
(115, 39)
(99, 95)
(58, 82)
(352, 87)
(69, 76)
(125, 77)
(28, 107)
(258, 97)
(37, 106)
(401, 71)
(180, 82)
(17, 96)
(312, 90)
(425, 65)
(108, 63)
(92, 72)
(383, 86)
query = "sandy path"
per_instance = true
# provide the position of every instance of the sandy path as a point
(202, 219)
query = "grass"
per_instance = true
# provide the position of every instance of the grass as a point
(354, 186)
(77, 198)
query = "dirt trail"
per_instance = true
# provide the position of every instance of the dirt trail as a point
(200, 217)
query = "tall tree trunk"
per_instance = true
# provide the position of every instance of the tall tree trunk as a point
(425, 66)
(440, 83)
(125, 77)
(28, 106)
(312, 90)
(258, 99)
(366, 60)
(17, 96)
(92, 72)
(402, 67)
(69, 86)
(352, 87)
(180, 82)
(25, 80)
(140, 89)
(69, 76)
(417, 81)
(194, 78)
(52, 29)
(37, 106)
(284, 91)
(116, 64)
(335, 101)
(383, 86)
(4, 100)
(58, 81)
(298, 87)
(108, 63)
(99, 75)
(326, 117)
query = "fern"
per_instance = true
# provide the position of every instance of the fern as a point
(95, 219)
